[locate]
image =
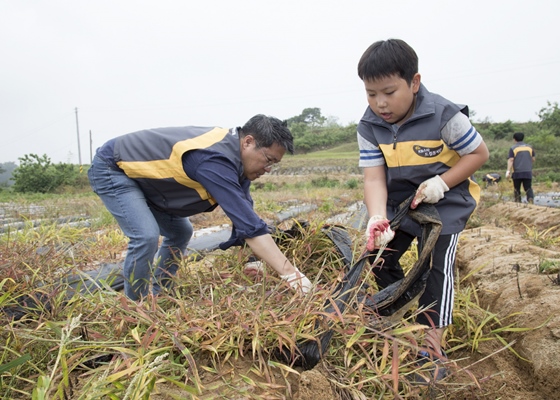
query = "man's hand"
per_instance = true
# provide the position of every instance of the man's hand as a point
(378, 232)
(297, 280)
(430, 191)
(508, 174)
(253, 268)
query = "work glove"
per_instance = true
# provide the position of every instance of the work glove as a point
(508, 174)
(253, 267)
(430, 191)
(298, 280)
(378, 232)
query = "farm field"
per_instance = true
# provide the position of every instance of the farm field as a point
(214, 336)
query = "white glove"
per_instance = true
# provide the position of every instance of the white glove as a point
(297, 280)
(253, 268)
(256, 265)
(508, 174)
(430, 191)
(378, 232)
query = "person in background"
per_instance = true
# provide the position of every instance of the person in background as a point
(153, 180)
(520, 161)
(413, 141)
(491, 179)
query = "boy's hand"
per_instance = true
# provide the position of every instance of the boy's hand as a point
(297, 280)
(430, 191)
(378, 232)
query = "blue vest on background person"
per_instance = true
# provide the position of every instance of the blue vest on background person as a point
(415, 152)
(153, 159)
(522, 160)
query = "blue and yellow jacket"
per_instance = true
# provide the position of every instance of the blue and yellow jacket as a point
(522, 155)
(153, 158)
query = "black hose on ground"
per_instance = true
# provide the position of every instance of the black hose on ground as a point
(385, 302)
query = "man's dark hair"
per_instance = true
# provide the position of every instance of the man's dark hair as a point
(518, 136)
(268, 130)
(386, 58)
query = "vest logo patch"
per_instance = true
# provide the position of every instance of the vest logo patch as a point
(428, 152)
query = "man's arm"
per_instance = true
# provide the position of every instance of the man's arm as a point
(266, 249)
(511, 157)
(218, 176)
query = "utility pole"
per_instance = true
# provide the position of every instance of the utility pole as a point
(90, 148)
(78, 133)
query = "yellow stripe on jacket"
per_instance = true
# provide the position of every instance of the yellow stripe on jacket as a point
(173, 166)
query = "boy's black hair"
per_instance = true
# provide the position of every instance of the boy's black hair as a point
(518, 136)
(386, 58)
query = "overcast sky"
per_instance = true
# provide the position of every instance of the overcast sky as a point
(128, 65)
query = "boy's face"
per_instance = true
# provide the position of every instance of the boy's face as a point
(391, 98)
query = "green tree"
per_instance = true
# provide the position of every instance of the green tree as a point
(309, 116)
(550, 118)
(501, 130)
(37, 174)
(298, 129)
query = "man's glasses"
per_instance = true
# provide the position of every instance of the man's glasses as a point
(269, 161)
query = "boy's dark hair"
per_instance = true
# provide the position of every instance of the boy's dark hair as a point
(518, 136)
(268, 130)
(388, 57)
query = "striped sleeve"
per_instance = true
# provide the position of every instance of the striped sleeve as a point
(370, 155)
(460, 135)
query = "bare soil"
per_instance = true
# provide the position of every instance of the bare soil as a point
(504, 261)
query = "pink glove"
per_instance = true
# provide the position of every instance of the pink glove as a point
(430, 191)
(378, 232)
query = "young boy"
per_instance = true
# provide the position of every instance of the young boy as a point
(414, 141)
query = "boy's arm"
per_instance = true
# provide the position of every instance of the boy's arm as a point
(460, 135)
(455, 133)
(433, 190)
(375, 191)
(378, 230)
(466, 166)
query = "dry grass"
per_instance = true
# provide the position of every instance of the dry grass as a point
(215, 335)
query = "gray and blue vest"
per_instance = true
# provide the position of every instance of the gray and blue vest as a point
(414, 152)
(522, 158)
(153, 158)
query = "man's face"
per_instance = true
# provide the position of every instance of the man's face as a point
(259, 161)
(391, 98)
